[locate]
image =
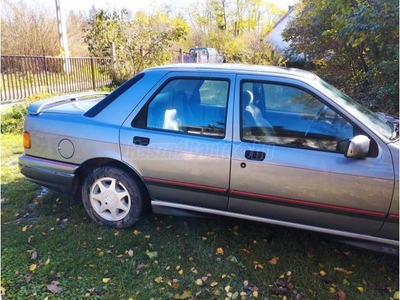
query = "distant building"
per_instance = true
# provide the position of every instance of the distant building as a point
(275, 37)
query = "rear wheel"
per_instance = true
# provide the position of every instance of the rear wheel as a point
(112, 197)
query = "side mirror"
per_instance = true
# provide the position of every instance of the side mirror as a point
(357, 147)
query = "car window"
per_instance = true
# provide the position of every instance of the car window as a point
(192, 106)
(289, 116)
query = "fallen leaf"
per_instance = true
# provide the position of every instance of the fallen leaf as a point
(34, 255)
(273, 261)
(214, 283)
(106, 280)
(344, 271)
(220, 251)
(159, 279)
(151, 255)
(341, 295)
(32, 267)
(246, 251)
(55, 289)
(183, 295)
(27, 278)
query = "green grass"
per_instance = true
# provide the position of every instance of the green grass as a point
(47, 244)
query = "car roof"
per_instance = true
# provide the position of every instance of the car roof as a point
(236, 68)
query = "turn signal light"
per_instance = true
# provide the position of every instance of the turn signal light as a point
(26, 140)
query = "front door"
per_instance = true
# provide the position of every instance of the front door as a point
(288, 162)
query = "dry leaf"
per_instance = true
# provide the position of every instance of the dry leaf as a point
(199, 282)
(214, 283)
(159, 279)
(184, 295)
(341, 295)
(344, 271)
(54, 288)
(151, 255)
(32, 267)
(273, 261)
(27, 278)
(246, 251)
(34, 255)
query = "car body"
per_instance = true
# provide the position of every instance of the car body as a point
(204, 55)
(268, 144)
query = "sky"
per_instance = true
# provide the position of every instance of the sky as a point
(135, 5)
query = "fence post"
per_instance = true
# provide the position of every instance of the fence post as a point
(46, 76)
(93, 74)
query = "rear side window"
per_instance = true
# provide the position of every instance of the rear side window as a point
(191, 106)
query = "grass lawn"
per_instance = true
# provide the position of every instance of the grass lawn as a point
(51, 250)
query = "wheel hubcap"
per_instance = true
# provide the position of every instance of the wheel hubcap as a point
(110, 199)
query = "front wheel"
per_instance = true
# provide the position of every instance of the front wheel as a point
(112, 197)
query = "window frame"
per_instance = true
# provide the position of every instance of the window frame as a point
(356, 129)
(143, 112)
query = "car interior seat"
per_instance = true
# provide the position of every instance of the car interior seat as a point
(254, 117)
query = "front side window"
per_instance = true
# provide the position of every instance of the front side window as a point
(193, 106)
(289, 116)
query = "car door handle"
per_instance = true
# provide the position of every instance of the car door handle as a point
(255, 155)
(141, 141)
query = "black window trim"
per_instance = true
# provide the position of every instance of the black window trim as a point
(99, 107)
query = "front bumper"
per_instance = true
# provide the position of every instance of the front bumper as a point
(52, 174)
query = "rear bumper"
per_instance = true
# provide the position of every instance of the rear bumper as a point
(54, 175)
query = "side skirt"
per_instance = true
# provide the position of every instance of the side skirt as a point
(163, 207)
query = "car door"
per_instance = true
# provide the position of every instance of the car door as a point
(288, 162)
(179, 140)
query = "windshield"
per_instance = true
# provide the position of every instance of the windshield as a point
(366, 116)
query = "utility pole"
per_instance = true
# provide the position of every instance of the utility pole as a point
(62, 32)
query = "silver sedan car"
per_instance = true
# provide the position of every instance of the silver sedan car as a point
(268, 144)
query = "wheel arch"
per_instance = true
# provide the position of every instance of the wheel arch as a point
(89, 165)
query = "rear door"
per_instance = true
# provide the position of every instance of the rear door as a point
(295, 170)
(179, 140)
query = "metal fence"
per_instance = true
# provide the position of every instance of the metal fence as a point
(22, 76)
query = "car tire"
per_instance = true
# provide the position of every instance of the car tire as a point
(111, 197)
